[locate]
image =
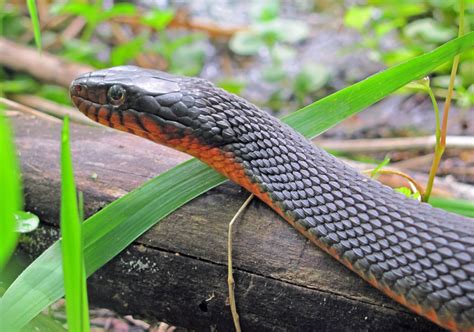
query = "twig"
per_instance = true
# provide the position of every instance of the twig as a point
(45, 67)
(54, 109)
(182, 20)
(230, 277)
(19, 107)
(395, 144)
(441, 147)
(410, 180)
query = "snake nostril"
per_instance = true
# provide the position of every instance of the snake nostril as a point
(77, 88)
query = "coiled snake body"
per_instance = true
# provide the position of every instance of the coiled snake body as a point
(418, 255)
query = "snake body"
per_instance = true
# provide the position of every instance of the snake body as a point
(418, 255)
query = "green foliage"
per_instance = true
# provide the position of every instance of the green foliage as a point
(85, 52)
(158, 19)
(116, 226)
(12, 24)
(414, 27)
(26, 221)
(231, 85)
(381, 165)
(94, 13)
(311, 78)
(462, 207)
(35, 22)
(276, 36)
(408, 193)
(184, 55)
(72, 243)
(127, 51)
(10, 192)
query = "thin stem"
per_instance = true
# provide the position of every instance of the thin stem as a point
(439, 149)
(436, 109)
(230, 277)
(411, 180)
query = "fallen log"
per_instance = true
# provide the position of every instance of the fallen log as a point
(176, 272)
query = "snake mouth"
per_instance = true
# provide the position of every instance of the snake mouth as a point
(146, 125)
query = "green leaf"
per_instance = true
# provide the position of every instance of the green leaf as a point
(35, 22)
(10, 192)
(127, 51)
(283, 30)
(188, 60)
(429, 31)
(232, 85)
(158, 19)
(246, 42)
(408, 193)
(381, 165)
(357, 17)
(265, 10)
(72, 243)
(311, 78)
(116, 226)
(459, 206)
(26, 221)
(119, 9)
(90, 12)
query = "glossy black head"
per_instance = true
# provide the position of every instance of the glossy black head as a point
(134, 99)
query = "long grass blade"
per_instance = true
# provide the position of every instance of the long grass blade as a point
(77, 309)
(10, 191)
(10, 198)
(116, 226)
(35, 22)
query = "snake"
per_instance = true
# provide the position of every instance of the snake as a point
(418, 255)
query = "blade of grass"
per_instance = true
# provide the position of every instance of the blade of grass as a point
(35, 21)
(77, 309)
(10, 198)
(10, 191)
(466, 208)
(116, 226)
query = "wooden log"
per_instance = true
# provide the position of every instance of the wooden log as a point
(176, 272)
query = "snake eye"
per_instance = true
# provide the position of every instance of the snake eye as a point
(116, 95)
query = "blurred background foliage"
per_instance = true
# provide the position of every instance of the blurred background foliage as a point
(396, 31)
(256, 53)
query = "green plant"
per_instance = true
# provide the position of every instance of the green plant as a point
(10, 191)
(397, 30)
(72, 243)
(117, 225)
(276, 37)
(35, 22)
(95, 13)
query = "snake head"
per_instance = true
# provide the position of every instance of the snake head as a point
(162, 107)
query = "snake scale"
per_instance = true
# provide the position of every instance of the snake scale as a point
(418, 255)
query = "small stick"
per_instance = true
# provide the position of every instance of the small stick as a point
(230, 277)
(51, 108)
(410, 180)
(395, 144)
(441, 138)
(22, 108)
